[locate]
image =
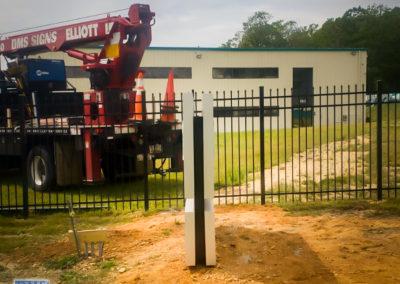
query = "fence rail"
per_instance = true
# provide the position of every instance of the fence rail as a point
(271, 146)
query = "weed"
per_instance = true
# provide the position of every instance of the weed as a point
(41, 228)
(177, 222)
(5, 274)
(155, 256)
(64, 262)
(151, 212)
(107, 265)
(166, 232)
(71, 276)
(8, 245)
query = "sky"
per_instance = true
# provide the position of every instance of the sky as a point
(190, 23)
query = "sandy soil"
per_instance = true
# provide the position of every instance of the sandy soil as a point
(255, 244)
(261, 244)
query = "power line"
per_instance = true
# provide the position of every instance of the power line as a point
(62, 22)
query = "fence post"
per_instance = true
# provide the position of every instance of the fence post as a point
(22, 141)
(262, 146)
(379, 139)
(145, 152)
(198, 152)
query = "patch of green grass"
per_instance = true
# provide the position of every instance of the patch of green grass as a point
(71, 276)
(373, 208)
(151, 212)
(116, 196)
(42, 228)
(9, 244)
(106, 265)
(166, 232)
(390, 144)
(64, 262)
(234, 161)
(342, 182)
(386, 207)
(154, 256)
(5, 274)
(177, 222)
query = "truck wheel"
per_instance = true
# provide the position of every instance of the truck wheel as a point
(40, 169)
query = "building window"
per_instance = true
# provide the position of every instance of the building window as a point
(245, 73)
(247, 111)
(162, 72)
(150, 72)
(76, 72)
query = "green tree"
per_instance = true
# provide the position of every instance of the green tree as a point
(259, 31)
(376, 28)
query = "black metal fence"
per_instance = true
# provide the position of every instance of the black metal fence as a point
(342, 145)
(270, 146)
(44, 164)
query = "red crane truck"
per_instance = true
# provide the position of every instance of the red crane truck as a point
(69, 137)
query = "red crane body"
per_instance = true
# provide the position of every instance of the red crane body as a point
(116, 66)
(112, 101)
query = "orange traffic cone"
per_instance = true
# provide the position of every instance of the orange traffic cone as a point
(169, 109)
(138, 115)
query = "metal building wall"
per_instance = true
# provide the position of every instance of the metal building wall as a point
(331, 67)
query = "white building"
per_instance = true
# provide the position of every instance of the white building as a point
(221, 69)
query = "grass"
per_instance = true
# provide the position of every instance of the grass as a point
(166, 232)
(41, 228)
(107, 265)
(64, 262)
(163, 192)
(71, 276)
(390, 145)
(5, 274)
(99, 273)
(389, 207)
(237, 161)
(23, 239)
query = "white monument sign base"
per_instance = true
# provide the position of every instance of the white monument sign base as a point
(198, 154)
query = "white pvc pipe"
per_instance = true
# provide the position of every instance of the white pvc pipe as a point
(208, 147)
(188, 157)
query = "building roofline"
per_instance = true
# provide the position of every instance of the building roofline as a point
(249, 49)
(253, 49)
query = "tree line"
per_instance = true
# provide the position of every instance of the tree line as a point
(376, 28)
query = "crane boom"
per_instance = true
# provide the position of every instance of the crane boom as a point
(115, 67)
(66, 37)
(60, 38)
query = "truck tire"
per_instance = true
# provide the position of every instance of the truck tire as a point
(40, 169)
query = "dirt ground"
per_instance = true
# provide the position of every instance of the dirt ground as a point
(255, 244)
